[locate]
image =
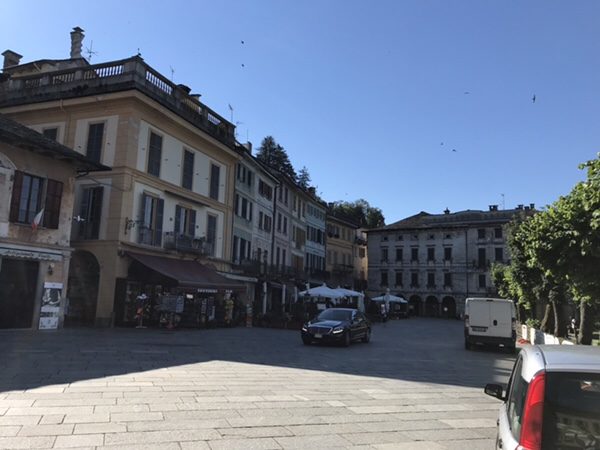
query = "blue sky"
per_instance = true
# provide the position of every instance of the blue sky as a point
(365, 93)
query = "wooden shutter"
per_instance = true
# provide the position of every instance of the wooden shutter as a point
(192, 222)
(177, 219)
(160, 206)
(215, 172)
(54, 191)
(16, 196)
(96, 211)
(94, 143)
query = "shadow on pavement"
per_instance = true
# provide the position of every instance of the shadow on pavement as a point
(417, 349)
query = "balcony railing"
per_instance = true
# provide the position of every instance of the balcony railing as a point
(187, 244)
(116, 76)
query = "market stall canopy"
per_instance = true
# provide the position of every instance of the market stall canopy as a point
(187, 273)
(322, 291)
(348, 292)
(389, 298)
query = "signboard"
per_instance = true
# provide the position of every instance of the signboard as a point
(50, 310)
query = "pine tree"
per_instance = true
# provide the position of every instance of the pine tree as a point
(275, 156)
(303, 179)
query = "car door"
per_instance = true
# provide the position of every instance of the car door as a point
(354, 325)
(359, 324)
(511, 412)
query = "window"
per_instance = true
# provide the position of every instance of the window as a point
(414, 254)
(285, 225)
(430, 254)
(499, 254)
(28, 200)
(279, 221)
(50, 133)
(431, 279)
(398, 279)
(482, 281)
(283, 257)
(447, 279)
(211, 234)
(399, 255)
(267, 222)
(384, 255)
(185, 221)
(481, 233)
(447, 253)
(516, 400)
(384, 279)
(384, 238)
(277, 258)
(94, 142)
(152, 220)
(90, 212)
(265, 190)
(215, 172)
(481, 259)
(154, 154)
(361, 252)
(431, 237)
(400, 237)
(242, 249)
(498, 233)
(414, 279)
(188, 170)
(285, 195)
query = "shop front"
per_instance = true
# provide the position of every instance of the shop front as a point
(166, 292)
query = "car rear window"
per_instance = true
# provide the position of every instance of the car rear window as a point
(571, 411)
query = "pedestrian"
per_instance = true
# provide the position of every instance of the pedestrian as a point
(574, 327)
(383, 312)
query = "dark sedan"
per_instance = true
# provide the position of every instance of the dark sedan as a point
(340, 325)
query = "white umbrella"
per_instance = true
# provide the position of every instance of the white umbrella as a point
(322, 291)
(389, 298)
(348, 292)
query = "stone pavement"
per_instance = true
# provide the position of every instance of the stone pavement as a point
(413, 387)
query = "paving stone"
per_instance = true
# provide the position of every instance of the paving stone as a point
(471, 444)
(87, 418)
(470, 423)
(19, 420)
(177, 425)
(254, 432)
(151, 437)
(49, 411)
(319, 441)
(244, 444)
(136, 417)
(81, 440)
(46, 430)
(384, 437)
(94, 428)
(305, 430)
(413, 446)
(194, 445)
(442, 435)
(27, 442)
(52, 419)
(7, 431)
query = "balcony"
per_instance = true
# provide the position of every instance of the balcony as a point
(117, 76)
(187, 244)
(342, 268)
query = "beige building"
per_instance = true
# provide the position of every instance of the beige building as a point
(340, 248)
(151, 234)
(36, 214)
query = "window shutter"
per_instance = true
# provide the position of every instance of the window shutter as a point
(159, 220)
(52, 204)
(16, 196)
(250, 212)
(177, 219)
(96, 211)
(84, 212)
(192, 228)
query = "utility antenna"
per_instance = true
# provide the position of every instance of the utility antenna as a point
(90, 52)
(230, 112)
(172, 73)
(502, 201)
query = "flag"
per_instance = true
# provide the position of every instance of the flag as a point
(37, 219)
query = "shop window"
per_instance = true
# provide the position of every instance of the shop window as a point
(154, 154)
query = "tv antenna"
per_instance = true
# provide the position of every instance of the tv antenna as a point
(90, 52)
(172, 72)
(502, 201)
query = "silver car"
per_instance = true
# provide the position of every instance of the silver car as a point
(552, 400)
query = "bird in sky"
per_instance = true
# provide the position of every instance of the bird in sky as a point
(242, 42)
(467, 92)
(441, 143)
(243, 65)
(454, 150)
(533, 98)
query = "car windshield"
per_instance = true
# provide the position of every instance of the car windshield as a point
(572, 411)
(335, 314)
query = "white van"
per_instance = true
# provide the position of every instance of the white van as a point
(490, 321)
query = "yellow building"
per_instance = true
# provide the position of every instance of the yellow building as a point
(340, 249)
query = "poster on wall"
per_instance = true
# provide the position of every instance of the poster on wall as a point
(50, 310)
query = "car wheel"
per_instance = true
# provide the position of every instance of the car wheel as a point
(367, 337)
(347, 339)
(306, 341)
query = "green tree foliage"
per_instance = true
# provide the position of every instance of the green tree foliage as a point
(303, 178)
(555, 254)
(275, 156)
(359, 212)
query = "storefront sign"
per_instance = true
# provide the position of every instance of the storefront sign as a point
(29, 254)
(50, 310)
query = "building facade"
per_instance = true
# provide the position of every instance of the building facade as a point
(341, 241)
(436, 261)
(36, 215)
(316, 235)
(159, 225)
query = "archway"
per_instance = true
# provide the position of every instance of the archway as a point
(82, 292)
(431, 306)
(449, 307)
(414, 305)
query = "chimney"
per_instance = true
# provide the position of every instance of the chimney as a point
(196, 97)
(519, 206)
(312, 190)
(446, 211)
(248, 146)
(185, 88)
(11, 58)
(532, 206)
(76, 42)
(493, 207)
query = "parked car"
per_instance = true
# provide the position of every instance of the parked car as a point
(490, 321)
(552, 400)
(340, 325)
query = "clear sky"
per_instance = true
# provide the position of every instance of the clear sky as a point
(370, 95)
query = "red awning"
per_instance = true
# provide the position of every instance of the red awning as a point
(187, 273)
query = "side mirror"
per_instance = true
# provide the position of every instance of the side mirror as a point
(494, 390)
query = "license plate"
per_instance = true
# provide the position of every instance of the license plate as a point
(479, 328)
(318, 335)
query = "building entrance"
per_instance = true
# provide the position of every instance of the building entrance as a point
(18, 283)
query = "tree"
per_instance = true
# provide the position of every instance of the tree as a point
(303, 178)
(275, 156)
(359, 212)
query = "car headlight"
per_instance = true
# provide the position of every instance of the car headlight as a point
(304, 328)
(338, 330)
